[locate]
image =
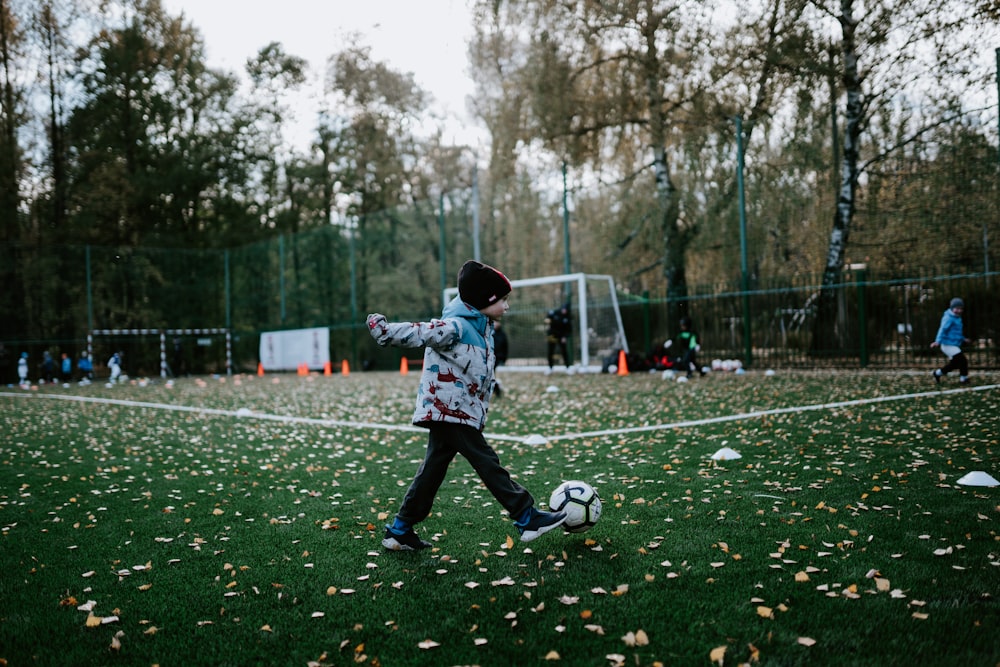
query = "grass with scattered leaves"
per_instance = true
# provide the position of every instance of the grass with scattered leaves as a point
(133, 534)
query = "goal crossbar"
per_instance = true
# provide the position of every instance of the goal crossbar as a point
(581, 298)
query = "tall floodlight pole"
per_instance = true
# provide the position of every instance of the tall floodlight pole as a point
(281, 273)
(568, 287)
(744, 272)
(444, 269)
(475, 212)
(351, 225)
(229, 296)
(566, 262)
(986, 240)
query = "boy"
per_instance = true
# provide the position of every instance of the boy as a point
(115, 368)
(950, 339)
(688, 348)
(22, 369)
(452, 402)
(86, 368)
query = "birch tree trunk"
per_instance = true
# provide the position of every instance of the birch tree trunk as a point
(827, 334)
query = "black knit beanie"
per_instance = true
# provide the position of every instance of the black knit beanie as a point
(956, 303)
(481, 285)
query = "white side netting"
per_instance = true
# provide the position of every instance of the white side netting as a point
(597, 324)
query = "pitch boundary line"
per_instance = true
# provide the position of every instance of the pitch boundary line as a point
(315, 421)
(768, 413)
(410, 428)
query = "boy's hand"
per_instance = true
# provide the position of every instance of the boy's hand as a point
(377, 328)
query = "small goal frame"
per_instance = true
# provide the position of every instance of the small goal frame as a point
(580, 279)
(163, 333)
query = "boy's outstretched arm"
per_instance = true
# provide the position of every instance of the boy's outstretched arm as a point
(436, 333)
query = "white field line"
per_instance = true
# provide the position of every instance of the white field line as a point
(497, 436)
(223, 413)
(766, 413)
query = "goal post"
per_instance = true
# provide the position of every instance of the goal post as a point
(162, 335)
(597, 321)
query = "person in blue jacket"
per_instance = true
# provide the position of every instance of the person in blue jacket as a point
(950, 339)
(452, 401)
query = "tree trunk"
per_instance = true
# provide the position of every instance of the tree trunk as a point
(826, 334)
(10, 157)
(673, 248)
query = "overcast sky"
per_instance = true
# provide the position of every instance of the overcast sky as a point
(427, 38)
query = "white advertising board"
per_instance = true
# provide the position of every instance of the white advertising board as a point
(286, 350)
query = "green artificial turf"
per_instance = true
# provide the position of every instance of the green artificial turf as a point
(245, 529)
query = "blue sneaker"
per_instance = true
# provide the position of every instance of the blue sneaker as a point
(408, 541)
(538, 523)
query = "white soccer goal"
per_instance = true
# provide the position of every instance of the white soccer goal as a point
(597, 321)
(204, 338)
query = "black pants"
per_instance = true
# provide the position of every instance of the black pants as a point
(957, 363)
(563, 350)
(444, 442)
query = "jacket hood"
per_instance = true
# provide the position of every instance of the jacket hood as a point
(458, 308)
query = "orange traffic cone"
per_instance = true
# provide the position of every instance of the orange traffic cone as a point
(404, 366)
(622, 364)
(327, 369)
(260, 369)
(303, 369)
(345, 368)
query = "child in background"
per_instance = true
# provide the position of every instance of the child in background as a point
(950, 339)
(22, 369)
(687, 348)
(115, 368)
(86, 368)
(559, 326)
(66, 367)
(452, 402)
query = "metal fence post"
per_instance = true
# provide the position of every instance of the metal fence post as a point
(862, 319)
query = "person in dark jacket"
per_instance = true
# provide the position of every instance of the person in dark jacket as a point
(559, 325)
(501, 345)
(688, 348)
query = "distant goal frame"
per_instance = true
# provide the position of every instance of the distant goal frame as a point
(580, 279)
(163, 333)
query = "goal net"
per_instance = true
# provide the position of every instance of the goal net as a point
(597, 333)
(168, 352)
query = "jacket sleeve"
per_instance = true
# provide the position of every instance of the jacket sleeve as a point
(438, 334)
(943, 329)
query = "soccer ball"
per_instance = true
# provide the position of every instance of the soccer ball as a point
(580, 502)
